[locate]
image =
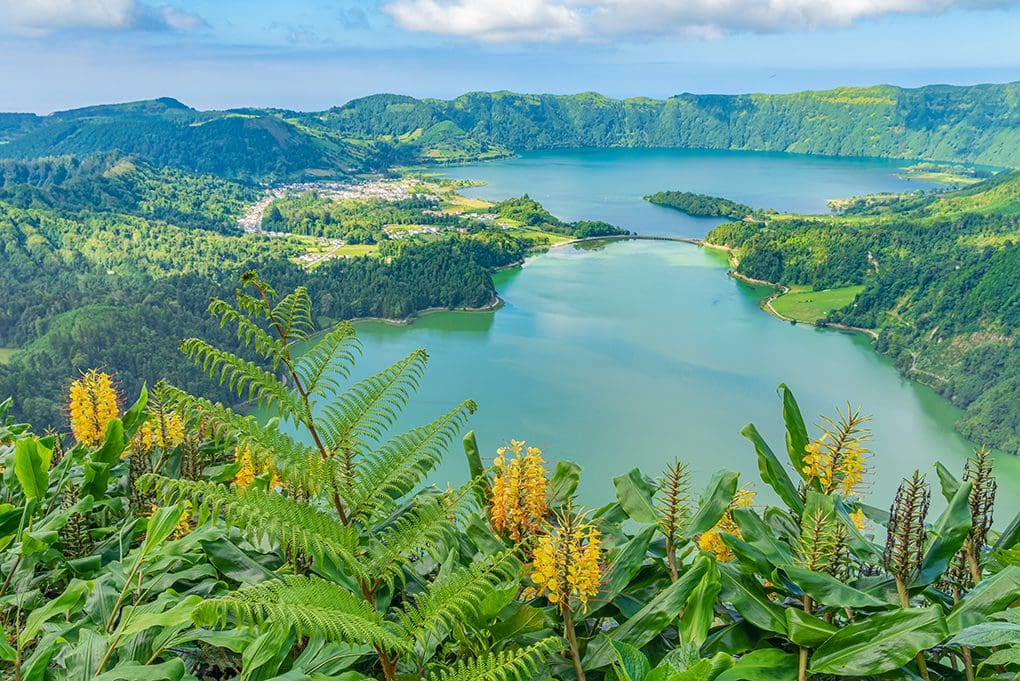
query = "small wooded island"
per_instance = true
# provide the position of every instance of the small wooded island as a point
(701, 205)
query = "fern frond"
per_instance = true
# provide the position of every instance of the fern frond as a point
(389, 473)
(368, 408)
(331, 359)
(296, 526)
(455, 596)
(293, 315)
(427, 523)
(516, 664)
(248, 332)
(312, 606)
(240, 376)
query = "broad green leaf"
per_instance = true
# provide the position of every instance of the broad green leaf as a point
(950, 531)
(172, 670)
(7, 653)
(880, 643)
(71, 599)
(713, 502)
(750, 600)
(754, 531)
(699, 611)
(828, 590)
(268, 651)
(648, 622)
(114, 443)
(992, 594)
(625, 561)
(796, 431)
(1002, 657)
(133, 417)
(988, 634)
(630, 663)
(234, 563)
(564, 482)
(525, 620)
(161, 523)
(766, 664)
(705, 670)
(806, 629)
(135, 619)
(636, 496)
(947, 480)
(475, 468)
(1010, 536)
(32, 466)
(772, 471)
(748, 554)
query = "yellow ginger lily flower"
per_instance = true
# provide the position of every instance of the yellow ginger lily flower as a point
(567, 562)
(246, 473)
(92, 405)
(165, 431)
(836, 459)
(518, 491)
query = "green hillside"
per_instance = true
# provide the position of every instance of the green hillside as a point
(236, 145)
(973, 124)
(941, 278)
(978, 124)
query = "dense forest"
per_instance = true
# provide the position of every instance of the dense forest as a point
(701, 205)
(101, 248)
(976, 124)
(170, 538)
(941, 273)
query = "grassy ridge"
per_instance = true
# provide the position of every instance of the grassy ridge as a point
(810, 306)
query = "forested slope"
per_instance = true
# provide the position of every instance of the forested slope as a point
(978, 123)
(975, 124)
(942, 287)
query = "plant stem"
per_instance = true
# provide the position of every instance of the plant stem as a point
(802, 667)
(901, 589)
(671, 559)
(571, 636)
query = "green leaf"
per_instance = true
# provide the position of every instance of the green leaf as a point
(475, 468)
(713, 502)
(564, 482)
(72, 598)
(160, 525)
(750, 600)
(766, 664)
(796, 431)
(636, 495)
(630, 664)
(648, 622)
(947, 480)
(880, 643)
(233, 562)
(624, 563)
(172, 670)
(1010, 536)
(133, 417)
(988, 634)
(7, 653)
(772, 471)
(806, 629)
(699, 611)
(135, 619)
(755, 532)
(32, 466)
(991, 595)
(950, 532)
(525, 620)
(828, 590)
(114, 443)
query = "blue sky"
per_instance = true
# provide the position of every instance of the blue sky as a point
(313, 54)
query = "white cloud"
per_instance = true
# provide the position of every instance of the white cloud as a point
(44, 16)
(545, 20)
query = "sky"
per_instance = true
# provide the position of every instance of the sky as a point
(314, 54)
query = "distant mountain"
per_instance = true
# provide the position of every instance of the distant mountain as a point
(977, 124)
(235, 145)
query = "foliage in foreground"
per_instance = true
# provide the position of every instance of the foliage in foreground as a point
(183, 540)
